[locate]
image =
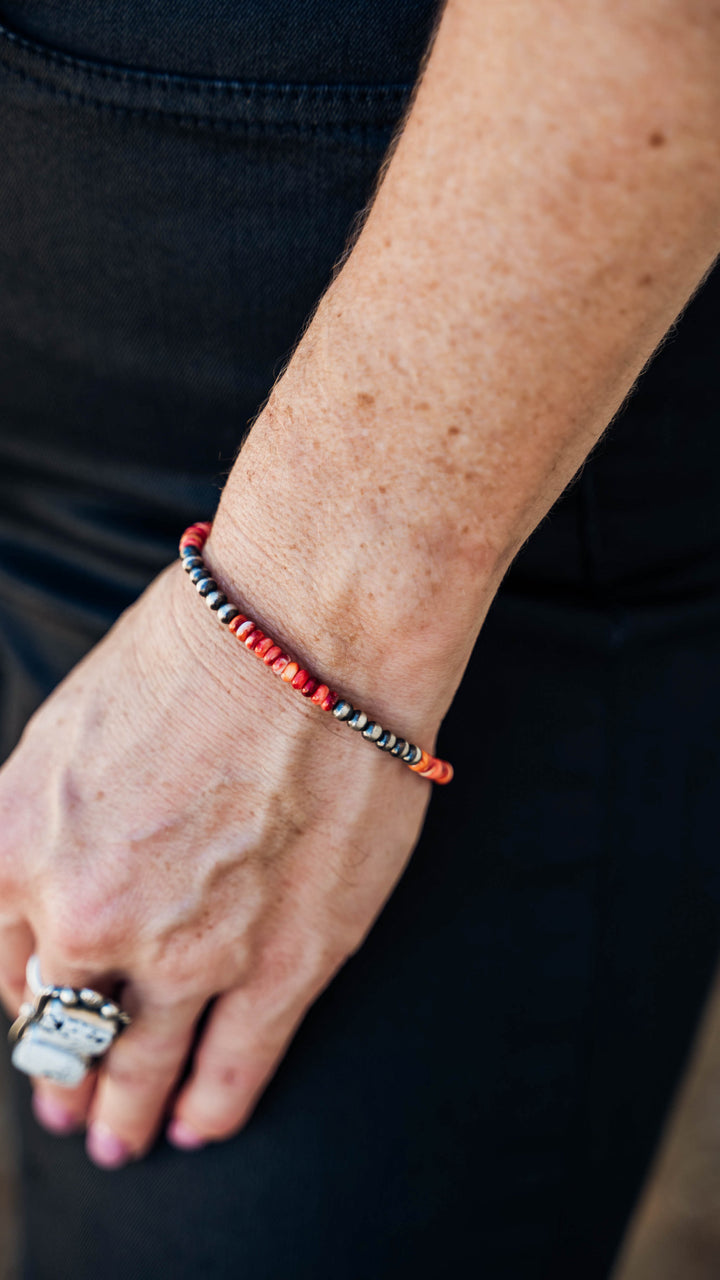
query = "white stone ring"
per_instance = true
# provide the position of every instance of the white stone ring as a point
(64, 1032)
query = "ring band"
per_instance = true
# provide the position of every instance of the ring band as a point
(64, 1031)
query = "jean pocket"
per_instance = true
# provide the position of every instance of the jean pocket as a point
(37, 70)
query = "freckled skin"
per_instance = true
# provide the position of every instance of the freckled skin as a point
(175, 818)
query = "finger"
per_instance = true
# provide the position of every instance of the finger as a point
(58, 1109)
(137, 1077)
(238, 1053)
(16, 946)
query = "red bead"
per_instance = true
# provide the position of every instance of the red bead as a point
(280, 663)
(300, 678)
(290, 672)
(309, 688)
(262, 647)
(253, 638)
(237, 623)
(320, 694)
(329, 701)
(245, 629)
(271, 655)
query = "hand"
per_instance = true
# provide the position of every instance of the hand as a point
(178, 826)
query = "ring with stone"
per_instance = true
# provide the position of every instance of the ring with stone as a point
(64, 1031)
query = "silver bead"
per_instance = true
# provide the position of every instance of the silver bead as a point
(386, 741)
(91, 999)
(67, 996)
(416, 756)
(408, 754)
(215, 599)
(206, 585)
(372, 731)
(342, 710)
(227, 612)
(358, 721)
(398, 748)
(109, 1009)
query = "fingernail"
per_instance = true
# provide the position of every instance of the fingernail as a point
(53, 1116)
(105, 1148)
(181, 1135)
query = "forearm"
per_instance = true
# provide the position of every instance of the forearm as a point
(553, 201)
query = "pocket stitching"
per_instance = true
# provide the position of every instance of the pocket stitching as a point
(169, 80)
(217, 123)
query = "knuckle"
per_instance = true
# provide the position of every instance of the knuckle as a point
(83, 927)
(145, 1065)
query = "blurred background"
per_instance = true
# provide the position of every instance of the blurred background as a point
(8, 1204)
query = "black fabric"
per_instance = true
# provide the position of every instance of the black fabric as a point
(480, 1089)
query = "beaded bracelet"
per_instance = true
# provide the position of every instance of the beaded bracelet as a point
(290, 671)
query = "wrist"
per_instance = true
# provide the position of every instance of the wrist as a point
(388, 624)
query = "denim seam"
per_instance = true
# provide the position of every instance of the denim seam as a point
(291, 127)
(200, 85)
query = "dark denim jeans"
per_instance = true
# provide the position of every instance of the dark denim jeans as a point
(480, 1089)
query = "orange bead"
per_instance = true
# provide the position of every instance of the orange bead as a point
(280, 664)
(237, 623)
(253, 638)
(271, 655)
(320, 694)
(262, 647)
(290, 672)
(300, 678)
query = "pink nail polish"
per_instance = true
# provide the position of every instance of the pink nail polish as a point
(105, 1148)
(53, 1116)
(181, 1135)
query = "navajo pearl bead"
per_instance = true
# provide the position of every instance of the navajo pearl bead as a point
(342, 710)
(386, 741)
(358, 721)
(398, 748)
(197, 574)
(206, 585)
(372, 731)
(226, 613)
(215, 599)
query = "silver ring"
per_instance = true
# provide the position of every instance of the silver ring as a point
(65, 1031)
